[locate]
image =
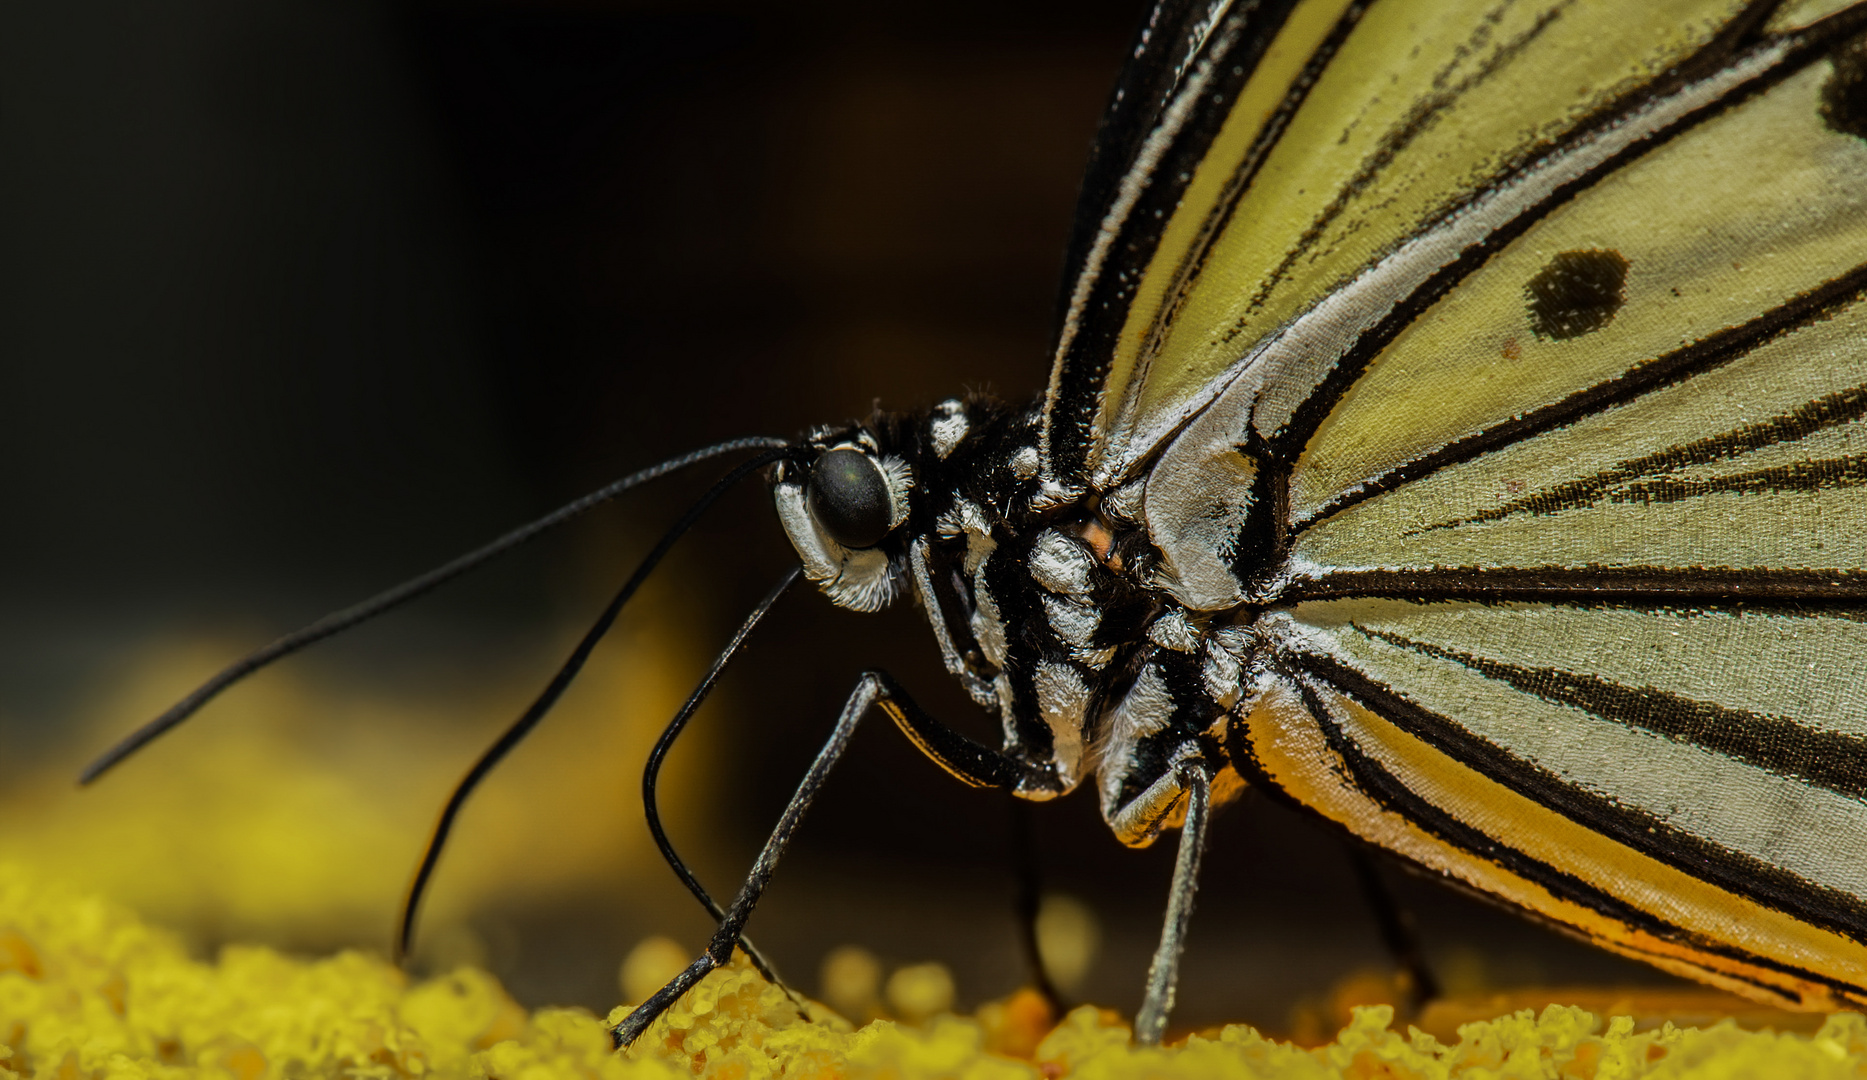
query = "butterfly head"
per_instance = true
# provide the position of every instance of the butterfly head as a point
(942, 503)
(843, 497)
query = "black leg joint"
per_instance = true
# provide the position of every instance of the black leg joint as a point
(959, 755)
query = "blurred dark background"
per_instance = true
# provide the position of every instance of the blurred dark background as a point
(304, 296)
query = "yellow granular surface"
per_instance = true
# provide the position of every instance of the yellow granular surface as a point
(88, 991)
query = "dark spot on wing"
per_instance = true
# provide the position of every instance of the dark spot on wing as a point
(1577, 292)
(1844, 95)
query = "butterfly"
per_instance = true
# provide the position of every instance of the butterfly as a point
(1453, 430)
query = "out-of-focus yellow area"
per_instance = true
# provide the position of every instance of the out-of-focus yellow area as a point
(850, 979)
(90, 992)
(293, 809)
(1068, 937)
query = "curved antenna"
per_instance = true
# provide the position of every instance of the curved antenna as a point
(651, 774)
(341, 620)
(554, 690)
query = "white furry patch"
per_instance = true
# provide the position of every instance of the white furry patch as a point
(1073, 623)
(1063, 698)
(867, 582)
(1001, 688)
(1228, 647)
(1060, 564)
(1050, 495)
(948, 427)
(964, 518)
(1222, 674)
(1143, 711)
(899, 480)
(1024, 463)
(1124, 503)
(1173, 630)
(979, 546)
(988, 626)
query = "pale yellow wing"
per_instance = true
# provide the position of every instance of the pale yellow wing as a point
(1570, 588)
(1505, 371)
(1312, 142)
(1678, 785)
(1711, 425)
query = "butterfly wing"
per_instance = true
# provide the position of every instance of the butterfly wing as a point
(1291, 147)
(1512, 359)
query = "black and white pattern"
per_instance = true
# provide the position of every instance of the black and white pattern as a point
(1498, 493)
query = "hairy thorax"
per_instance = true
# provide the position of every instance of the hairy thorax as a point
(1049, 610)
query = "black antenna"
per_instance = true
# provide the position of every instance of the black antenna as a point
(651, 774)
(554, 690)
(339, 621)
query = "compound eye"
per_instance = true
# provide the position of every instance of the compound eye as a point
(849, 499)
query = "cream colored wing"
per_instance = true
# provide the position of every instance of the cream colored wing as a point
(1301, 146)
(1684, 785)
(1698, 429)
(1504, 367)
(1568, 578)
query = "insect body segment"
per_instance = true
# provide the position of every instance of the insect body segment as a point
(1050, 615)
(1047, 613)
(1026, 602)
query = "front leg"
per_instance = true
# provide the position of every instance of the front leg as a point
(972, 763)
(1188, 781)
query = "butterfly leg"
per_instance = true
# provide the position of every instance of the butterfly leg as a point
(1191, 775)
(1030, 898)
(957, 754)
(1398, 932)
